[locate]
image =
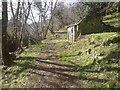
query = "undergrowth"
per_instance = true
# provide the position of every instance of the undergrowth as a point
(95, 57)
(17, 76)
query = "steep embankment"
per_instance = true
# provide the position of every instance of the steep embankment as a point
(95, 57)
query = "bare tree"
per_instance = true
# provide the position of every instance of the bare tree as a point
(20, 17)
(0, 49)
(64, 14)
(51, 18)
(43, 8)
(5, 53)
(45, 23)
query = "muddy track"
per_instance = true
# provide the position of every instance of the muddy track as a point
(49, 72)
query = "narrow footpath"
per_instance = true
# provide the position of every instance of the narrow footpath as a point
(49, 72)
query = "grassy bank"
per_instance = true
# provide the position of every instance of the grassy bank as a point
(112, 19)
(17, 76)
(95, 58)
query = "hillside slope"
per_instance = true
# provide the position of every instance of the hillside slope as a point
(112, 19)
(95, 57)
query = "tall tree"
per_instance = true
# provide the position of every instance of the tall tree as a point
(5, 52)
(0, 49)
(44, 8)
(0, 34)
(19, 20)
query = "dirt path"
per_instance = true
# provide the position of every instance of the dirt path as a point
(49, 72)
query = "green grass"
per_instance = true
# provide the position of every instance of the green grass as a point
(17, 76)
(112, 19)
(95, 57)
(115, 14)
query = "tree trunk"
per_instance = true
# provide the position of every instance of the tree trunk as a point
(0, 41)
(5, 52)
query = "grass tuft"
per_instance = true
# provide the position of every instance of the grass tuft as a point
(95, 57)
(18, 74)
